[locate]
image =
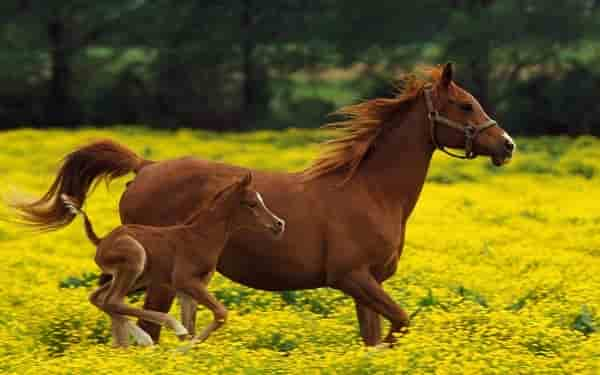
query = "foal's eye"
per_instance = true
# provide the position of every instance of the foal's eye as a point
(467, 107)
(252, 204)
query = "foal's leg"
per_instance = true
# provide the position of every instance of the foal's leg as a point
(123, 281)
(140, 336)
(189, 306)
(120, 331)
(118, 323)
(364, 288)
(119, 327)
(195, 287)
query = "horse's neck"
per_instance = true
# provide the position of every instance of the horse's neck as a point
(396, 168)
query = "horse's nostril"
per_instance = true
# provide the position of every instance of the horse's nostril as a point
(509, 145)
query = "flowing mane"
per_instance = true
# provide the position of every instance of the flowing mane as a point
(364, 122)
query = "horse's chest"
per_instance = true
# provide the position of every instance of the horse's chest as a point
(387, 246)
(378, 242)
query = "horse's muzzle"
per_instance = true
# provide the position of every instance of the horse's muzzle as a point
(504, 155)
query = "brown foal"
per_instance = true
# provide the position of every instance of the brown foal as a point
(181, 256)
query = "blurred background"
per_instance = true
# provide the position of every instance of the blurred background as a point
(249, 64)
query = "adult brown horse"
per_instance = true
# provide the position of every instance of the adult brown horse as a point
(346, 213)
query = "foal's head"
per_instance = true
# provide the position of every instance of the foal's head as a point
(244, 208)
(469, 127)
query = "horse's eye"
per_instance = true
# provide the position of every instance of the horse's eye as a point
(467, 107)
(252, 204)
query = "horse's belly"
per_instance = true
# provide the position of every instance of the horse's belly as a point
(268, 271)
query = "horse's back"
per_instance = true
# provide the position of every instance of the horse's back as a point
(161, 193)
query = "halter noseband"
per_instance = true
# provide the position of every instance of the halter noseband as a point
(471, 132)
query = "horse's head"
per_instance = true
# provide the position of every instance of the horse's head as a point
(458, 121)
(245, 208)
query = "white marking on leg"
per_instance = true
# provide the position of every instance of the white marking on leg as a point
(179, 329)
(139, 335)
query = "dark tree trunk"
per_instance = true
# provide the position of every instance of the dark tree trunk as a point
(248, 68)
(60, 109)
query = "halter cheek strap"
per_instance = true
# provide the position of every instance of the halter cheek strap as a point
(471, 132)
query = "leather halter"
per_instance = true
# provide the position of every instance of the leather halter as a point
(471, 132)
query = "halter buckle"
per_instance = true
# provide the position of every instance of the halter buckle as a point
(470, 131)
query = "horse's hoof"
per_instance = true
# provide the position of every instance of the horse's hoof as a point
(383, 345)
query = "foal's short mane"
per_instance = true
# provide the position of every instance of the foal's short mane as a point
(364, 122)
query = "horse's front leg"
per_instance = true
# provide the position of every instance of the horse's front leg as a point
(369, 324)
(369, 321)
(363, 287)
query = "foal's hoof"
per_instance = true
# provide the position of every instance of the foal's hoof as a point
(179, 329)
(185, 337)
(383, 345)
(139, 335)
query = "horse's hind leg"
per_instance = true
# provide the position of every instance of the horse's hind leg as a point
(118, 323)
(126, 260)
(364, 289)
(120, 331)
(122, 283)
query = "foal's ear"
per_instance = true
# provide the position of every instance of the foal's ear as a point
(447, 74)
(222, 195)
(235, 188)
(246, 180)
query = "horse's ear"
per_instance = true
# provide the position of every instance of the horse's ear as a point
(447, 74)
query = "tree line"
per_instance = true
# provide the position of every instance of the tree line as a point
(246, 64)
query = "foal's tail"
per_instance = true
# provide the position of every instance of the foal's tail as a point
(73, 206)
(81, 170)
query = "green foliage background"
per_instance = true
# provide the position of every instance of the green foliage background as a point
(249, 64)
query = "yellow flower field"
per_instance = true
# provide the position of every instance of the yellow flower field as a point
(501, 270)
